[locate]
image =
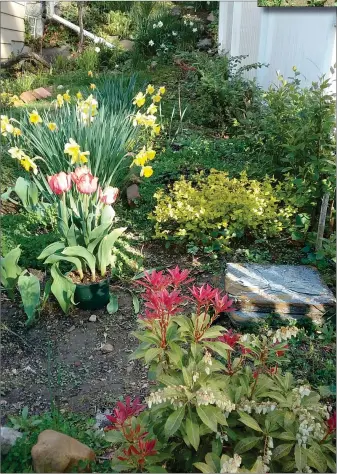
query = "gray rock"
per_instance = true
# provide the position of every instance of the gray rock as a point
(106, 348)
(283, 289)
(211, 17)
(128, 45)
(8, 437)
(93, 318)
(50, 54)
(204, 43)
(101, 419)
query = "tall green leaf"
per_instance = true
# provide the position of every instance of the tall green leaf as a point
(81, 252)
(173, 422)
(50, 249)
(29, 288)
(105, 249)
(192, 430)
(62, 288)
(59, 258)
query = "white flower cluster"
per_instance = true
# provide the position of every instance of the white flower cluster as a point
(250, 406)
(195, 376)
(207, 359)
(232, 465)
(268, 453)
(160, 24)
(249, 339)
(169, 394)
(309, 426)
(207, 397)
(284, 333)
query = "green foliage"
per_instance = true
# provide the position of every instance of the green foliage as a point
(87, 60)
(10, 270)
(117, 24)
(214, 209)
(75, 425)
(29, 289)
(32, 231)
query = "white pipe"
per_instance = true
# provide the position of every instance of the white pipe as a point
(72, 26)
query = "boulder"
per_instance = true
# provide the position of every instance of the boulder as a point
(127, 45)
(8, 437)
(204, 43)
(132, 194)
(57, 452)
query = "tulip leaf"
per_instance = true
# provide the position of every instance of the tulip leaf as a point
(10, 270)
(59, 258)
(78, 251)
(105, 248)
(52, 248)
(29, 288)
(62, 288)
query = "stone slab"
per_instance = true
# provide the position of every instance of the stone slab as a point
(27, 97)
(286, 289)
(245, 317)
(42, 92)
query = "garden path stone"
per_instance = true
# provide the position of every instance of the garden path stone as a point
(283, 289)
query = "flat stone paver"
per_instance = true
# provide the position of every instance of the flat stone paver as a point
(284, 289)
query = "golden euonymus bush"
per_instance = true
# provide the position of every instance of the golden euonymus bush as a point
(217, 207)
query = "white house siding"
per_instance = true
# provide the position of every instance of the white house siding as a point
(280, 37)
(12, 28)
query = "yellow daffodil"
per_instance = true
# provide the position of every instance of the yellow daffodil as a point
(139, 99)
(151, 154)
(83, 157)
(28, 164)
(17, 153)
(162, 90)
(59, 100)
(17, 132)
(156, 98)
(66, 96)
(92, 86)
(150, 89)
(6, 126)
(152, 109)
(156, 129)
(147, 171)
(73, 149)
(35, 118)
(52, 126)
(141, 158)
(90, 74)
(79, 95)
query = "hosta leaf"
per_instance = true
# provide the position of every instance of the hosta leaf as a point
(207, 416)
(192, 430)
(282, 450)
(51, 249)
(173, 422)
(246, 444)
(249, 421)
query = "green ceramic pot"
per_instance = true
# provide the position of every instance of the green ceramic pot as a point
(92, 296)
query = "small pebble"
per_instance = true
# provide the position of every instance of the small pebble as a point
(93, 318)
(106, 348)
(71, 329)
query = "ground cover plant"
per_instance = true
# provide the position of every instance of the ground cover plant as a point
(160, 378)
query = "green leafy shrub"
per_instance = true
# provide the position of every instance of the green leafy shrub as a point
(216, 209)
(117, 24)
(32, 231)
(215, 391)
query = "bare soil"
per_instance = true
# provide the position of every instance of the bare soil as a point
(60, 360)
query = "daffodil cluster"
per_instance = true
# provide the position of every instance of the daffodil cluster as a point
(9, 100)
(7, 128)
(148, 120)
(26, 162)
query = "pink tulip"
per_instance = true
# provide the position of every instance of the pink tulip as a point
(60, 182)
(79, 172)
(87, 184)
(109, 195)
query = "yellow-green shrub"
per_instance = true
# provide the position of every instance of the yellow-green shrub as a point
(218, 208)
